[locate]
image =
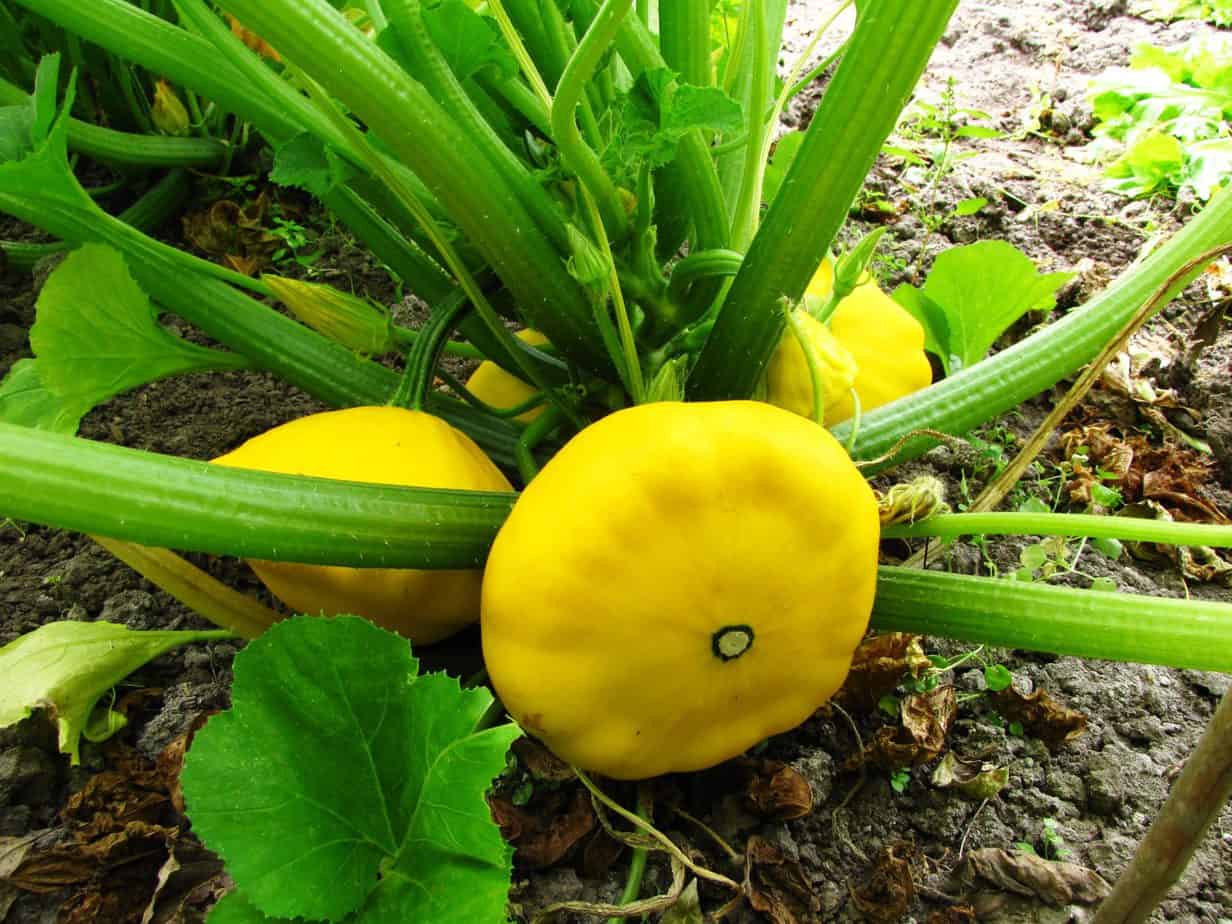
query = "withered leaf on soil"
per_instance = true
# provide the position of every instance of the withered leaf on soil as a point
(119, 835)
(1171, 474)
(776, 885)
(190, 877)
(886, 895)
(541, 763)
(1198, 562)
(879, 665)
(776, 790)
(1041, 715)
(975, 779)
(236, 233)
(926, 720)
(955, 914)
(1051, 881)
(548, 829)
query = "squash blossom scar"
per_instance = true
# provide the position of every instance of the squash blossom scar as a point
(731, 642)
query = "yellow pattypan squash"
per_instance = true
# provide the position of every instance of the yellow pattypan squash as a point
(678, 583)
(493, 385)
(885, 342)
(383, 445)
(790, 389)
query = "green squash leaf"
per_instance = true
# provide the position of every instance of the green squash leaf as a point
(27, 402)
(306, 163)
(467, 41)
(67, 666)
(96, 334)
(980, 290)
(342, 786)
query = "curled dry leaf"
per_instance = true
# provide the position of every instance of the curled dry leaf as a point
(955, 914)
(1041, 715)
(235, 233)
(1200, 563)
(886, 895)
(975, 779)
(926, 721)
(776, 885)
(1173, 475)
(1051, 881)
(776, 790)
(541, 763)
(546, 831)
(879, 665)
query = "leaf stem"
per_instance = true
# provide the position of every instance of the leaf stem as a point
(573, 150)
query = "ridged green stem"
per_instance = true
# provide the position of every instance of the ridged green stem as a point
(183, 504)
(125, 148)
(986, 389)
(407, 23)
(1062, 620)
(154, 207)
(951, 526)
(889, 49)
(353, 69)
(187, 59)
(573, 150)
(698, 177)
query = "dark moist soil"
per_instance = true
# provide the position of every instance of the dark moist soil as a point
(869, 850)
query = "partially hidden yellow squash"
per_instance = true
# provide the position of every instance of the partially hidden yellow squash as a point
(678, 583)
(383, 445)
(885, 343)
(493, 385)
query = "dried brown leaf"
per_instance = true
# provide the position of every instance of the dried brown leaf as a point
(1040, 715)
(1056, 883)
(541, 763)
(546, 831)
(886, 895)
(926, 720)
(955, 914)
(776, 790)
(776, 885)
(878, 666)
(975, 779)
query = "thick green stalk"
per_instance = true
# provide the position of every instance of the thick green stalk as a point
(1038, 617)
(951, 526)
(989, 388)
(751, 83)
(573, 150)
(292, 351)
(125, 148)
(698, 177)
(431, 69)
(326, 46)
(183, 504)
(159, 46)
(891, 45)
(747, 204)
(154, 207)
(684, 37)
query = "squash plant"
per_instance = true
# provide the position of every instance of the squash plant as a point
(597, 175)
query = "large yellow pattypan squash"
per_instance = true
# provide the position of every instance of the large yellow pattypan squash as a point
(493, 385)
(885, 343)
(678, 583)
(384, 445)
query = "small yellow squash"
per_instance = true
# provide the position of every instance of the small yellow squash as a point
(885, 342)
(493, 385)
(382, 445)
(678, 583)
